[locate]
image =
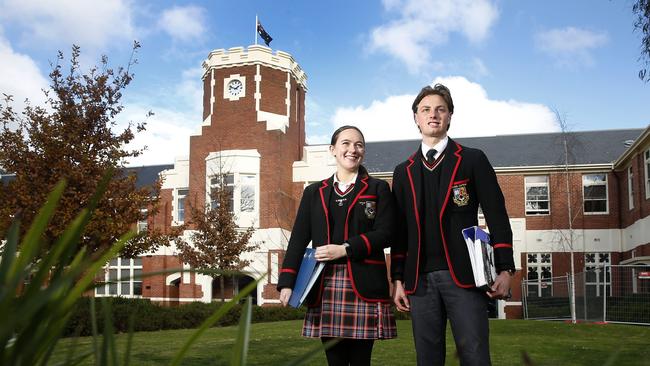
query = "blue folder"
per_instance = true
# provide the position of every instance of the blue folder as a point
(309, 271)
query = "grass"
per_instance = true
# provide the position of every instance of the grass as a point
(278, 343)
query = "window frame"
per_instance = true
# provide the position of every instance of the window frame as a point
(180, 206)
(118, 265)
(541, 283)
(600, 264)
(538, 212)
(584, 200)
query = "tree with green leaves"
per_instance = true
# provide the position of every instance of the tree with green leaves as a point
(73, 136)
(641, 9)
(216, 242)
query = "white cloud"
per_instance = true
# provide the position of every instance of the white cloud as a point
(422, 25)
(167, 135)
(20, 76)
(90, 24)
(183, 23)
(475, 114)
(168, 131)
(570, 45)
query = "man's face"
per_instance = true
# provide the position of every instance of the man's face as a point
(433, 116)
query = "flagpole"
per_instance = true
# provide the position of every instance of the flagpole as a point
(256, 21)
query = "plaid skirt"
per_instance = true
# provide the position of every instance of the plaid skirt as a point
(342, 314)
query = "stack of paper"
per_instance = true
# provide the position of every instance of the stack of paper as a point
(481, 255)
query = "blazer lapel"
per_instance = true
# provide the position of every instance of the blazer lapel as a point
(325, 191)
(360, 187)
(449, 166)
(414, 172)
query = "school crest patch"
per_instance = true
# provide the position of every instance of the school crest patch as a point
(461, 196)
(370, 209)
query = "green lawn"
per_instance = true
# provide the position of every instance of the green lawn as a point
(546, 343)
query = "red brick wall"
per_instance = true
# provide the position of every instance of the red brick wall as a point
(513, 187)
(234, 126)
(155, 286)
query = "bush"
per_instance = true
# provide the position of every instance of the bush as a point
(148, 316)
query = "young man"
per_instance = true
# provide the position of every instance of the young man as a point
(438, 191)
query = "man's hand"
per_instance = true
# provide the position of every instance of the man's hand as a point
(501, 286)
(285, 295)
(399, 297)
(330, 252)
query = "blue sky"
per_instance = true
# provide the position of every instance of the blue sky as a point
(509, 64)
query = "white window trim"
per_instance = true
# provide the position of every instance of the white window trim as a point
(630, 188)
(539, 265)
(175, 206)
(119, 267)
(548, 190)
(603, 266)
(606, 212)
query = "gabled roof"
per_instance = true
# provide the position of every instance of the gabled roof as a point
(527, 150)
(147, 175)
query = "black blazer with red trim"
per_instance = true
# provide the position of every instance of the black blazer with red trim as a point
(467, 180)
(368, 229)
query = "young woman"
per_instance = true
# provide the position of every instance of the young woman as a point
(348, 218)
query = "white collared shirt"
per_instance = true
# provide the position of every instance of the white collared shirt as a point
(344, 186)
(440, 147)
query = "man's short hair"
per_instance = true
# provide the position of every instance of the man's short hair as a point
(437, 89)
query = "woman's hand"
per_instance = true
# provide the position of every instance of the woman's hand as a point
(285, 295)
(330, 252)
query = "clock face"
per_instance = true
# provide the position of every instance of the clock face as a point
(235, 87)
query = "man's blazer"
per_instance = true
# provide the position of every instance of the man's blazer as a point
(368, 229)
(467, 180)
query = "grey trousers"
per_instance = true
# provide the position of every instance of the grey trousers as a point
(437, 299)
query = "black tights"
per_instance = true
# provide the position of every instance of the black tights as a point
(349, 352)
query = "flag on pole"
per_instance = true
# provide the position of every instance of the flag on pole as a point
(265, 36)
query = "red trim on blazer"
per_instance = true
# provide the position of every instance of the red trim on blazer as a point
(365, 240)
(417, 221)
(461, 181)
(370, 196)
(327, 216)
(373, 261)
(288, 270)
(396, 256)
(356, 292)
(442, 211)
(364, 180)
(502, 245)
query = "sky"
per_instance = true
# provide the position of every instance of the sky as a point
(512, 66)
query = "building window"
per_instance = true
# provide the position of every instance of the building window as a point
(121, 277)
(630, 188)
(228, 180)
(142, 221)
(597, 273)
(247, 184)
(647, 173)
(539, 275)
(537, 198)
(594, 192)
(181, 194)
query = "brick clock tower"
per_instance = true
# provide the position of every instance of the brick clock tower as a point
(253, 131)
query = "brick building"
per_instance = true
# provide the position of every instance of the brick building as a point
(592, 199)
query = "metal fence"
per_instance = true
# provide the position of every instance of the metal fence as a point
(609, 293)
